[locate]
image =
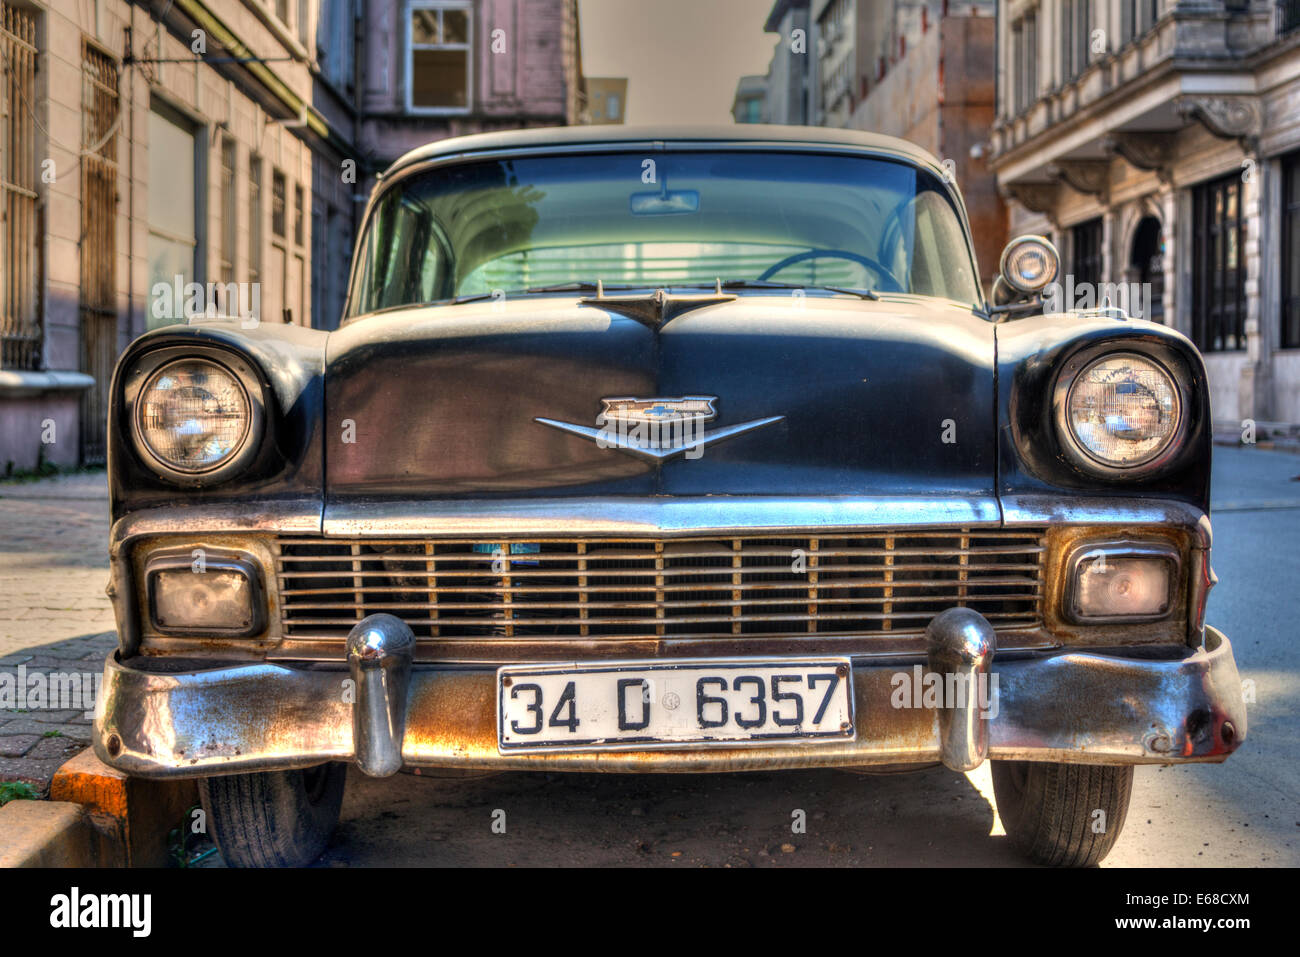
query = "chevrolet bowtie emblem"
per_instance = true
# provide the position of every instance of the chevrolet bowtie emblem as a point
(658, 429)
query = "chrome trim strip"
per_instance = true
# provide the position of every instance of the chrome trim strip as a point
(281, 515)
(652, 516)
(1096, 510)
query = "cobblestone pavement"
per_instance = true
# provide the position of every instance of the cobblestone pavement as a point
(56, 623)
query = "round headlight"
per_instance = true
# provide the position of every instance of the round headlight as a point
(193, 415)
(1123, 410)
(1029, 263)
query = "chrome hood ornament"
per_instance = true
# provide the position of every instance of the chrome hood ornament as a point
(659, 428)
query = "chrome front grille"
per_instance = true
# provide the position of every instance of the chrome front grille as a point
(883, 582)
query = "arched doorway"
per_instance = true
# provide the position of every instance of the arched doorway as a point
(1146, 263)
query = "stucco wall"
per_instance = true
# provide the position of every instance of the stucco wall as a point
(1286, 386)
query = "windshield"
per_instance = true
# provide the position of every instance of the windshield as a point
(503, 227)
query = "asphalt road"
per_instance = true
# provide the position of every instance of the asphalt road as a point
(1242, 813)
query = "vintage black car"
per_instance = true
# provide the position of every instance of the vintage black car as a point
(666, 450)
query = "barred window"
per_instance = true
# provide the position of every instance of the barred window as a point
(229, 210)
(1086, 258)
(254, 218)
(278, 203)
(1290, 338)
(1218, 266)
(21, 336)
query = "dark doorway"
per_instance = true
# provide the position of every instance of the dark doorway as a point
(1147, 263)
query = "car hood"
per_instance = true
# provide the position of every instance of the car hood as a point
(886, 398)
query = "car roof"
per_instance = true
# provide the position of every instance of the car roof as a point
(649, 137)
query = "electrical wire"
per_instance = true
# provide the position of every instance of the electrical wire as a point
(78, 151)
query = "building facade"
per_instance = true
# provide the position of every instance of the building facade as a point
(749, 105)
(439, 68)
(933, 83)
(921, 70)
(788, 95)
(144, 150)
(162, 160)
(604, 100)
(1157, 142)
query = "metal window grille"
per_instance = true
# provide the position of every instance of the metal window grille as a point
(277, 203)
(99, 120)
(254, 219)
(1290, 338)
(1086, 239)
(1219, 267)
(21, 336)
(1288, 16)
(229, 210)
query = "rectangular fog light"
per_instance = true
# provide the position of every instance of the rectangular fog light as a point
(1117, 583)
(199, 592)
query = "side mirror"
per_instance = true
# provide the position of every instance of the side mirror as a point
(1029, 264)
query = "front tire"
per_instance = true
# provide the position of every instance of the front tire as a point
(274, 818)
(1049, 811)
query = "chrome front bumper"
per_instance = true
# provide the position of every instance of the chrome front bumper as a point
(383, 712)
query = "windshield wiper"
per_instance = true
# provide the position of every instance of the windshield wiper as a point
(580, 285)
(770, 284)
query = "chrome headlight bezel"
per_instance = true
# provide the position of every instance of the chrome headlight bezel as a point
(147, 367)
(1118, 551)
(1029, 244)
(220, 561)
(1083, 457)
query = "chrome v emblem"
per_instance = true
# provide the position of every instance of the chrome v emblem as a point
(658, 429)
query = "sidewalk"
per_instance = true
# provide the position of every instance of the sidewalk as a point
(56, 623)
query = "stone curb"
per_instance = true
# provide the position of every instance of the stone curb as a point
(96, 817)
(48, 834)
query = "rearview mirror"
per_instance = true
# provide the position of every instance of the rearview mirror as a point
(665, 203)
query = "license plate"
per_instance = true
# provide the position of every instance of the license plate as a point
(646, 704)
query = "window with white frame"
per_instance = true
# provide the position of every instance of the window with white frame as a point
(438, 58)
